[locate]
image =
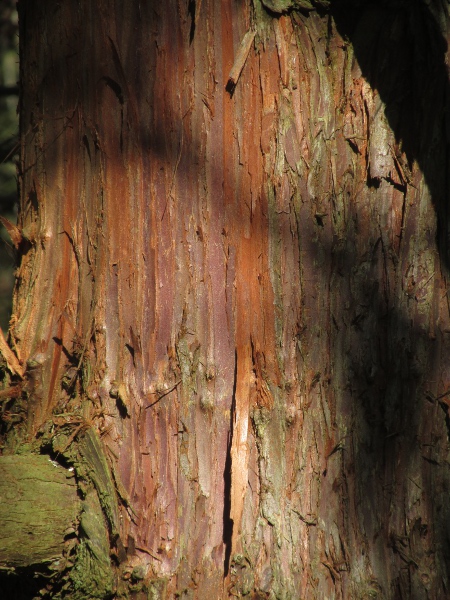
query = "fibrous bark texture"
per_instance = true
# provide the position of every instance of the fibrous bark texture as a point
(241, 283)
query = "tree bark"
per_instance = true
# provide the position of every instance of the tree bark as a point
(233, 278)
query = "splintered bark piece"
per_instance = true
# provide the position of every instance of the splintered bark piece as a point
(239, 444)
(239, 62)
(11, 360)
(13, 230)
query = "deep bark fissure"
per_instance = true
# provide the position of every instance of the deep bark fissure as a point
(228, 523)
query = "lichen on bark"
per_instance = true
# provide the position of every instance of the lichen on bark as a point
(281, 6)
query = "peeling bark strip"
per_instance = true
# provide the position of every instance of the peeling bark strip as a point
(247, 312)
(240, 59)
(11, 360)
(14, 232)
(239, 445)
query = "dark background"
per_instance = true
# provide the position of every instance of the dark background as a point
(9, 127)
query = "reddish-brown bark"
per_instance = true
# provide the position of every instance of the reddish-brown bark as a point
(249, 283)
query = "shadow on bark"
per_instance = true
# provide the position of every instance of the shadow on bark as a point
(23, 585)
(401, 51)
(397, 387)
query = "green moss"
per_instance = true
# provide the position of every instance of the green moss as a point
(91, 466)
(92, 576)
(39, 503)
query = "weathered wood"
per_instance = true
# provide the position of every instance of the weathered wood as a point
(39, 505)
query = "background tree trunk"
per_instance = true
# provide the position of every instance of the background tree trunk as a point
(241, 286)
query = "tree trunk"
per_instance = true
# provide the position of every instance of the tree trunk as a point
(231, 313)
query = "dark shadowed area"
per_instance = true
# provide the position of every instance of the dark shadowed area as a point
(9, 125)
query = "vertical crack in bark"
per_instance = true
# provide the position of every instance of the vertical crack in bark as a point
(227, 518)
(192, 10)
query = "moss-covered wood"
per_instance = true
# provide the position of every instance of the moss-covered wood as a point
(55, 522)
(39, 507)
(92, 576)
